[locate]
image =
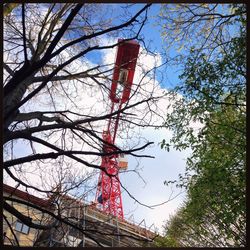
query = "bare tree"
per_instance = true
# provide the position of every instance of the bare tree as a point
(56, 101)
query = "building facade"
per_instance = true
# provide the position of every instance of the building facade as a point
(85, 225)
(15, 232)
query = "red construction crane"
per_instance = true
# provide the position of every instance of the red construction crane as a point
(108, 194)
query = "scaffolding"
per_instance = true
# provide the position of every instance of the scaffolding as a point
(108, 230)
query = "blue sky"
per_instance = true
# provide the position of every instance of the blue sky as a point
(152, 34)
(165, 165)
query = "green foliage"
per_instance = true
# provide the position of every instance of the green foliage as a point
(209, 116)
(174, 229)
(167, 241)
(8, 7)
(218, 188)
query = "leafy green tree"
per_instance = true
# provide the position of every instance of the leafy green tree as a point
(205, 83)
(209, 116)
(220, 162)
(8, 7)
(173, 230)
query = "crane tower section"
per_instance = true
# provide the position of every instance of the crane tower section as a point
(108, 194)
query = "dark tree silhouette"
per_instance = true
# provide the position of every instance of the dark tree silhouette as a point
(51, 129)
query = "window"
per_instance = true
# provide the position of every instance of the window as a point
(123, 76)
(20, 227)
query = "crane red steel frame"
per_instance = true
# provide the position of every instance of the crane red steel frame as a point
(108, 194)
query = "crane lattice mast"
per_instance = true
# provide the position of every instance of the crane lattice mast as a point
(108, 194)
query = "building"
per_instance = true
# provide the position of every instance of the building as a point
(19, 233)
(98, 229)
